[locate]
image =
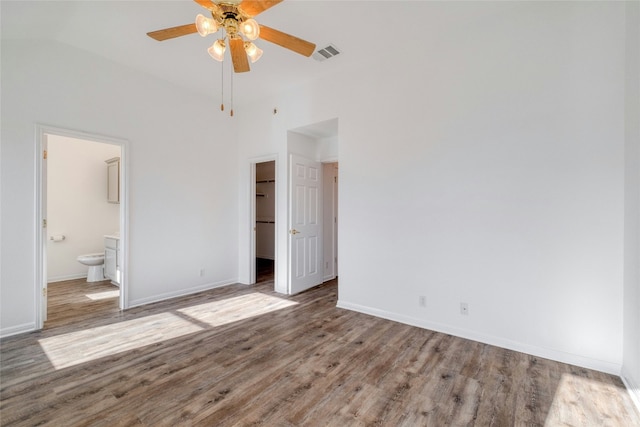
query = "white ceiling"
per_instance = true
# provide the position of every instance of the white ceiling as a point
(366, 32)
(117, 30)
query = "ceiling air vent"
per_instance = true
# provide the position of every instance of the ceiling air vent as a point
(326, 53)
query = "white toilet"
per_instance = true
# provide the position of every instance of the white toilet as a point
(95, 262)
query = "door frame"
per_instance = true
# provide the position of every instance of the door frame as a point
(252, 218)
(41, 232)
(332, 221)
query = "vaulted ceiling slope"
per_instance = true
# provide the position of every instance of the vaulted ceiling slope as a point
(367, 33)
(117, 30)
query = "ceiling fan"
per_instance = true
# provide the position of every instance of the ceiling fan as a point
(235, 19)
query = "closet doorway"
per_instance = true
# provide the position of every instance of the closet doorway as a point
(265, 221)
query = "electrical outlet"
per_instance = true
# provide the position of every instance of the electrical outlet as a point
(464, 308)
(422, 301)
(202, 272)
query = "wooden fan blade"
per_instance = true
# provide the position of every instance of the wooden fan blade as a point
(239, 56)
(207, 4)
(170, 33)
(287, 41)
(254, 7)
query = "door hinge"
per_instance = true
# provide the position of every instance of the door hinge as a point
(44, 292)
(335, 179)
(44, 154)
(44, 223)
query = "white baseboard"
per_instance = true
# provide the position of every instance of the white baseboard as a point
(181, 293)
(560, 356)
(633, 387)
(69, 277)
(19, 329)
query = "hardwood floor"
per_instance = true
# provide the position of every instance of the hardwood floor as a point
(76, 302)
(244, 355)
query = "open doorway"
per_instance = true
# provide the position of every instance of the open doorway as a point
(265, 221)
(81, 220)
(330, 220)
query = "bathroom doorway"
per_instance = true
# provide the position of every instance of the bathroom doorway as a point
(82, 206)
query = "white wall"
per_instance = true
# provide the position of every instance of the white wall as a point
(303, 145)
(488, 169)
(631, 367)
(77, 206)
(182, 193)
(327, 150)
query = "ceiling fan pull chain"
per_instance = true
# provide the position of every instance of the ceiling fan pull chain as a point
(231, 94)
(222, 87)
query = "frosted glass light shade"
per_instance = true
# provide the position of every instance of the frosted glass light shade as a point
(205, 25)
(253, 52)
(250, 29)
(217, 50)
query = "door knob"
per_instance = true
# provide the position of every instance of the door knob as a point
(294, 231)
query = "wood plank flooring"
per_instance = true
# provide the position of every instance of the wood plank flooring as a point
(76, 302)
(243, 355)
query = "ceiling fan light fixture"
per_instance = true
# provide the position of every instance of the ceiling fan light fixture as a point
(217, 50)
(253, 52)
(250, 29)
(205, 26)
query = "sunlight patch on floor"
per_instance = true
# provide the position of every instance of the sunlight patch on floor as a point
(225, 311)
(582, 401)
(92, 344)
(103, 295)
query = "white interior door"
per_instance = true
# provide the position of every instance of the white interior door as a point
(305, 224)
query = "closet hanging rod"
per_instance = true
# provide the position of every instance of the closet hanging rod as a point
(266, 222)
